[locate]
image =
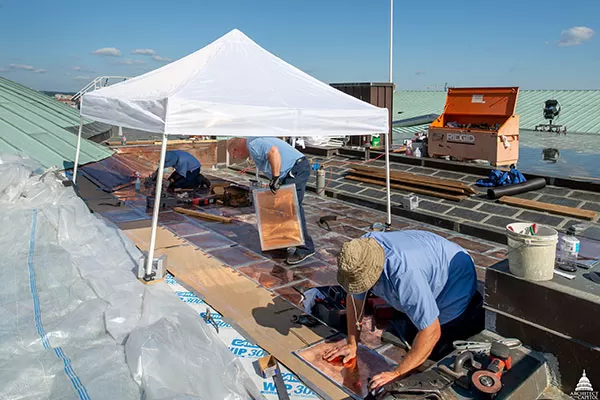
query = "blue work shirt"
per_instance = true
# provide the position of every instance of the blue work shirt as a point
(425, 276)
(182, 161)
(259, 148)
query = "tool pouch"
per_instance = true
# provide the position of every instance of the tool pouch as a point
(235, 196)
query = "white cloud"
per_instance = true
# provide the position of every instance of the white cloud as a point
(81, 69)
(22, 66)
(161, 59)
(82, 78)
(3, 69)
(25, 67)
(129, 61)
(575, 36)
(107, 52)
(144, 52)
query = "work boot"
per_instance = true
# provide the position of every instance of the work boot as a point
(298, 257)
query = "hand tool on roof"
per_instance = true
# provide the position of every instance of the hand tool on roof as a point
(564, 274)
(459, 372)
(484, 347)
(208, 318)
(269, 367)
(200, 201)
(489, 381)
(566, 267)
(166, 201)
(203, 215)
(396, 340)
(324, 221)
(305, 319)
(425, 385)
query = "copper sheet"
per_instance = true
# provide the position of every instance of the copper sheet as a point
(204, 151)
(352, 379)
(278, 219)
(116, 172)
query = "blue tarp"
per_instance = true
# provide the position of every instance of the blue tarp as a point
(502, 178)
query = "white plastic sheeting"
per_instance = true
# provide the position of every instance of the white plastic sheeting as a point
(74, 321)
(233, 87)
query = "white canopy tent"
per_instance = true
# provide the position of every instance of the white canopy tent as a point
(234, 88)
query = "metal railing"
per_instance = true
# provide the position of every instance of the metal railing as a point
(97, 83)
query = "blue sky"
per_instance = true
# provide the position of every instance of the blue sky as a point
(534, 44)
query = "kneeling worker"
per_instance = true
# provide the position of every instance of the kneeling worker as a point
(284, 165)
(429, 279)
(187, 170)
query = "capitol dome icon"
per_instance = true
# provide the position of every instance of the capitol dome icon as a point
(584, 384)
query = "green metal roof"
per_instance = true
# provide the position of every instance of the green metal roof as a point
(580, 109)
(40, 127)
(412, 104)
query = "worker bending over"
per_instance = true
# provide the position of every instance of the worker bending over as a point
(284, 165)
(187, 171)
(429, 279)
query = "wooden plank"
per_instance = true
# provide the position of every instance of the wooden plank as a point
(410, 182)
(203, 215)
(131, 142)
(256, 313)
(446, 196)
(551, 208)
(420, 179)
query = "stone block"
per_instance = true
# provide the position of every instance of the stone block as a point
(561, 201)
(496, 209)
(546, 219)
(467, 214)
(570, 307)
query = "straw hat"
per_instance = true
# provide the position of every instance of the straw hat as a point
(360, 264)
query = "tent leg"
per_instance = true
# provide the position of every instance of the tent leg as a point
(387, 179)
(157, 196)
(77, 150)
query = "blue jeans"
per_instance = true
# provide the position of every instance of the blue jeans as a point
(469, 323)
(192, 180)
(299, 175)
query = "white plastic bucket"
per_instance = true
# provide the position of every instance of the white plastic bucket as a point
(531, 257)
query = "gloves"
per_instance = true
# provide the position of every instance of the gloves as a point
(274, 184)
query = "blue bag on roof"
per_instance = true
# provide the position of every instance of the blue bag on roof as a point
(502, 178)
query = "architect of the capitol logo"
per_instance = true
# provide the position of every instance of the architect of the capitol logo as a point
(584, 389)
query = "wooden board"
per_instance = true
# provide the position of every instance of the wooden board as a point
(551, 208)
(411, 183)
(421, 180)
(254, 311)
(414, 178)
(203, 215)
(412, 189)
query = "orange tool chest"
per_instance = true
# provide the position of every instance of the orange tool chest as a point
(477, 124)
